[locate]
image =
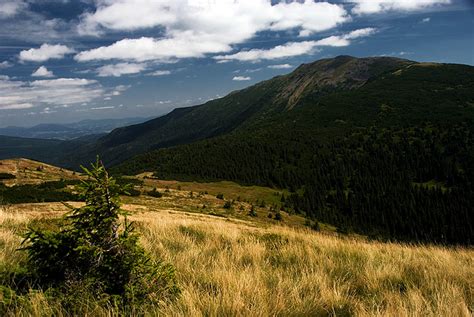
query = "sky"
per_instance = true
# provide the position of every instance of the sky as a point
(68, 60)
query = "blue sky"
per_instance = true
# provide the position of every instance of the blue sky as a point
(68, 60)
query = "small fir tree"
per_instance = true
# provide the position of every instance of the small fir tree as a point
(95, 250)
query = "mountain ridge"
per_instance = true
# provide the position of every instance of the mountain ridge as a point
(310, 95)
(225, 115)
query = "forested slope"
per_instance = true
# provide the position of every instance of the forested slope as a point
(393, 158)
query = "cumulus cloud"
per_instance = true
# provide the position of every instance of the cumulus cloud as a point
(296, 48)
(241, 78)
(5, 64)
(280, 66)
(146, 49)
(377, 6)
(196, 28)
(9, 8)
(45, 52)
(117, 70)
(425, 20)
(42, 71)
(15, 94)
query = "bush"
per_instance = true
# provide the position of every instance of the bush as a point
(7, 176)
(94, 252)
(45, 192)
(155, 193)
(313, 225)
(227, 205)
(220, 196)
(278, 216)
(252, 212)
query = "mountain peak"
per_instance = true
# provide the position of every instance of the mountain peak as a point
(342, 72)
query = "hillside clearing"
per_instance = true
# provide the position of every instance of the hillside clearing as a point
(33, 172)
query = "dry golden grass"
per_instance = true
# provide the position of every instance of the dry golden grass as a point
(233, 267)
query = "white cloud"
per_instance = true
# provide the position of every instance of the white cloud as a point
(280, 66)
(9, 8)
(360, 33)
(44, 53)
(241, 78)
(146, 49)
(280, 51)
(47, 110)
(15, 106)
(160, 73)
(296, 48)
(42, 72)
(103, 108)
(117, 91)
(197, 28)
(377, 6)
(120, 69)
(16, 94)
(426, 20)
(5, 64)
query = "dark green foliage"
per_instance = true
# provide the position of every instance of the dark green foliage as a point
(252, 211)
(130, 184)
(278, 216)
(313, 225)
(132, 192)
(220, 196)
(45, 192)
(410, 183)
(155, 193)
(94, 253)
(127, 181)
(227, 205)
(7, 176)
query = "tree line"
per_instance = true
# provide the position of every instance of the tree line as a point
(399, 183)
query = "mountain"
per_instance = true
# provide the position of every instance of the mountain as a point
(379, 146)
(243, 109)
(69, 131)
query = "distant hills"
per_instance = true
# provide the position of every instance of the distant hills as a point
(69, 131)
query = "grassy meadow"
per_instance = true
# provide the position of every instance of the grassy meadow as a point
(231, 263)
(236, 267)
